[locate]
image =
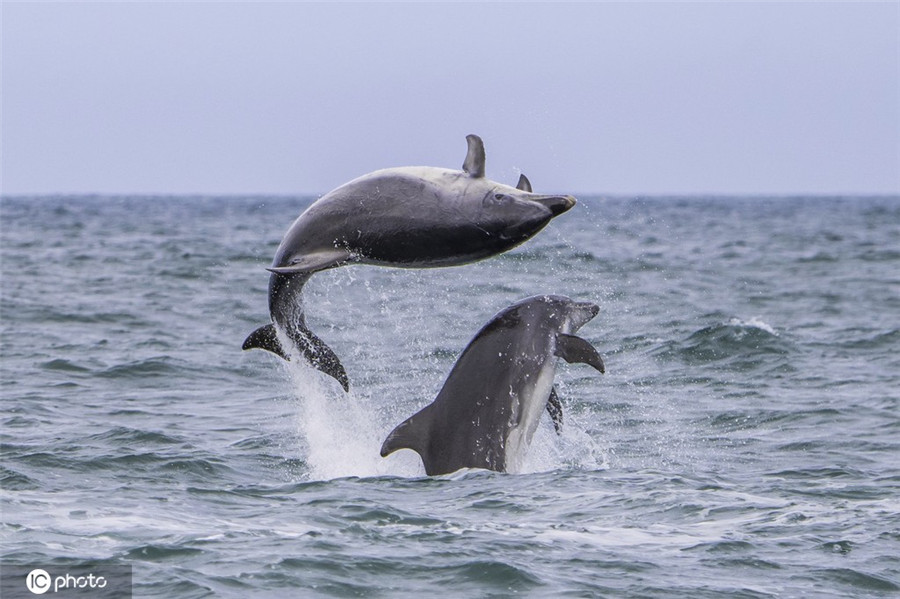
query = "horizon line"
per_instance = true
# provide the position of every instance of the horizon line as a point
(585, 194)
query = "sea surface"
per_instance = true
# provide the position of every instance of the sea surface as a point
(745, 441)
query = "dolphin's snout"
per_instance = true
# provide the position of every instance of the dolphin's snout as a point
(556, 204)
(588, 310)
(582, 313)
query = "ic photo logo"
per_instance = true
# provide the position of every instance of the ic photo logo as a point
(66, 581)
(38, 581)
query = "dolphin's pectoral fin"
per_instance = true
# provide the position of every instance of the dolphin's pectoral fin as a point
(554, 408)
(321, 357)
(412, 433)
(474, 163)
(313, 262)
(265, 338)
(524, 184)
(574, 350)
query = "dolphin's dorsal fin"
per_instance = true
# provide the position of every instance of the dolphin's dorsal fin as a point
(576, 350)
(524, 184)
(474, 163)
(412, 433)
(265, 338)
(554, 408)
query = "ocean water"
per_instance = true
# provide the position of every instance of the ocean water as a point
(745, 441)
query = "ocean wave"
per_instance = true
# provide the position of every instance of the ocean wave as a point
(124, 436)
(52, 315)
(173, 586)
(820, 256)
(158, 553)
(496, 574)
(743, 343)
(818, 473)
(841, 547)
(157, 366)
(882, 340)
(880, 255)
(857, 579)
(10, 480)
(63, 365)
(725, 547)
(93, 459)
(733, 420)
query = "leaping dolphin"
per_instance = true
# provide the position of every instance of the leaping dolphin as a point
(490, 405)
(407, 217)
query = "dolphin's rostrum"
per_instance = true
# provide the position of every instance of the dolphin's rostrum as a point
(490, 405)
(407, 217)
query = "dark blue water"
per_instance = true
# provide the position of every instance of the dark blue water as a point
(745, 440)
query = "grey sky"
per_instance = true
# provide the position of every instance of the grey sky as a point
(593, 97)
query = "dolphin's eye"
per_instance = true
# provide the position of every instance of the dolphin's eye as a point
(497, 199)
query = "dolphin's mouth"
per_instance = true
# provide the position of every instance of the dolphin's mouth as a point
(556, 204)
(583, 313)
(590, 308)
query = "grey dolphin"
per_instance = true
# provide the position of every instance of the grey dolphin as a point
(408, 217)
(490, 405)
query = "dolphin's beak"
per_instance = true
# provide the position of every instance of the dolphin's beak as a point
(556, 204)
(588, 309)
(584, 313)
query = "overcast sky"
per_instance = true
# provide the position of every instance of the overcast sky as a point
(629, 98)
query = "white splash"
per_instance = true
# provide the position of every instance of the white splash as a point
(754, 323)
(343, 433)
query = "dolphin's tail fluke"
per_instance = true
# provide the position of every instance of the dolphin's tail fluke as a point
(286, 309)
(265, 338)
(319, 355)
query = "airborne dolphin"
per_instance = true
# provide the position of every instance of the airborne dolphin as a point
(408, 217)
(491, 403)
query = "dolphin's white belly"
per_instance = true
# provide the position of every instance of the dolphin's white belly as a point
(530, 403)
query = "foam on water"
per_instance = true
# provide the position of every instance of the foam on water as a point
(343, 434)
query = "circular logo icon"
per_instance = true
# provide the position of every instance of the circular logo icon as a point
(38, 581)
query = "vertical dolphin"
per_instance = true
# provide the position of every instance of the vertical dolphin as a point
(490, 405)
